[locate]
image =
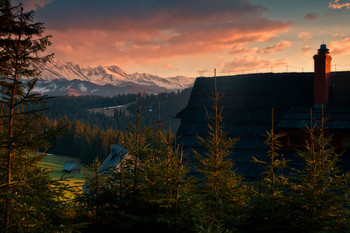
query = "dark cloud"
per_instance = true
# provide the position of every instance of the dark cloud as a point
(60, 14)
(311, 16)
(146, 30)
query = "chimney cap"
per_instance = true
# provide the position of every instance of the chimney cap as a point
(323, 49)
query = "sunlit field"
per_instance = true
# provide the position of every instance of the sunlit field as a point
(56, 163)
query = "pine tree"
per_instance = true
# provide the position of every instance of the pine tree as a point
(160, 195)
(222, 189)
(166, 187)
(320, 200)
(99, 194)
(29, 199)
(269, 198)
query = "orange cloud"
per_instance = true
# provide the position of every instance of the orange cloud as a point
(337, 35)
(275, 48)
(306, 50)
(167, 66)
(305, 35)
(337, 5)
(242, 49)
(340, 47)
(93, 47)
(250, 63)
(142, 32)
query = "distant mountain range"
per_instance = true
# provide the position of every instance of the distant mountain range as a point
(67, 78)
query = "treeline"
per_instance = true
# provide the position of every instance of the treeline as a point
(82, 141)
(76, 108)
(87, 135)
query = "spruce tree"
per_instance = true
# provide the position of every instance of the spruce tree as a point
(269, 196)
(30, 201)
(320, 194)
(221, 188)
(160, 197)
(99, 197)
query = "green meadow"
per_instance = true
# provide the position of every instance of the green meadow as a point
(56, 163)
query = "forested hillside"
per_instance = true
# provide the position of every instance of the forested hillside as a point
(76, 108)
(88, 135)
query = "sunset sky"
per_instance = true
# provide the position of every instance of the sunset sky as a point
(192, 37)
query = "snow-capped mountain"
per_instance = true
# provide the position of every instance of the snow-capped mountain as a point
(62, 78)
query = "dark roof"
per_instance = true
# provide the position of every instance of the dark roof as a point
(298, 117)
(247, 102)
(70, 166)
(113, 159)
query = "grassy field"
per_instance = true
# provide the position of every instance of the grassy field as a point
(56, 162)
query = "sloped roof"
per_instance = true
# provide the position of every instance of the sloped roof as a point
(336, 117)
(247, 102)
(69, 166)
(113, 159)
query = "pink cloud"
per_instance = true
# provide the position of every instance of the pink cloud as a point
(242, 49)
(275, 48)
(337, 35)
(337, 5)
(340, 47)
(91, 47)
(140, 32)
(305, 35)
(250, 63)
(306, 50)
(167, 66)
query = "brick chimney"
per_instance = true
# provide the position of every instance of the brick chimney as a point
(322, 75)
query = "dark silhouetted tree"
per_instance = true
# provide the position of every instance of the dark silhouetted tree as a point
(30, 201)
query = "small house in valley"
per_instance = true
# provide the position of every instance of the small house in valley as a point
(71, 168)
(248, 101)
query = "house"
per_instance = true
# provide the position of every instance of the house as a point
(113, 161)
(247, 103)
(114, 158)
(71, 168)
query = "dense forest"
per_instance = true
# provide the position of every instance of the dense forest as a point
(76, 108)
(87, 135)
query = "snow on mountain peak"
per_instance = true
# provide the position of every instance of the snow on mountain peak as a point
(112, 75)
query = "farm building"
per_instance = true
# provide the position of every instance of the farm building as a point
(71, 168)
(113, 159)
(248, 101)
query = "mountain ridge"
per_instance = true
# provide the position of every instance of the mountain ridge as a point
(58, 76)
